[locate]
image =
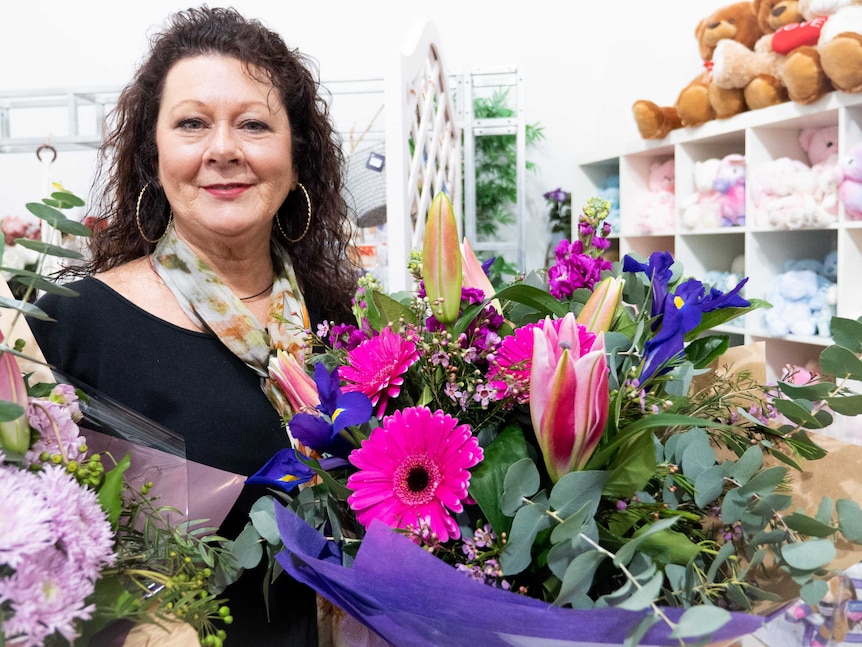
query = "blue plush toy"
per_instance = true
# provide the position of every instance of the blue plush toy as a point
(803, 298)
(610, 191)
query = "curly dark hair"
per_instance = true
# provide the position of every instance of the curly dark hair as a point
(128, 157)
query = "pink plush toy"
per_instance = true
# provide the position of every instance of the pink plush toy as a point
(782, 194)
(821, 146)
(656, 213)
(850, 189)
(730, 183)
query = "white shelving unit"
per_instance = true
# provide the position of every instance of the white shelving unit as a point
(760, 135)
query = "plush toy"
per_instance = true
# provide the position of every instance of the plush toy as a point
(656, 212)
(850, 187)
(776, 193)
(758, 71)
(803, 298)
(702, 209)
(821, 146)
(834, 59)
(701, 100)
(730, 183)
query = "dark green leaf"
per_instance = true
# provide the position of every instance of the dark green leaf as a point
(67, 198)
(57, 220)
(633, 467)
(111, 491)
(798, 411)
(840, 363)
(627, 552)
(722, 315)
(389, 310)
(847, 333)
(849, 519)
(848, 405)
(812, 392)
(808, 525)
(809, 555)
(45, 248)
(46, 285)
(703, 351)
(10, 411)
(486, 481)
(701, 620)
(534, 297)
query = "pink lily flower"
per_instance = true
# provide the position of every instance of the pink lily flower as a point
(474, 275)
(296, 384)
(441, 260)
(598, 312)
(14, 434)
(569, 395)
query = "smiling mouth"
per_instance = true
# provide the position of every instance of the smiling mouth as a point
(225, 187)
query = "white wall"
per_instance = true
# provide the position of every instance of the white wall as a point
(583, 64)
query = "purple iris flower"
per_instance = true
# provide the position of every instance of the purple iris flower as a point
(659, 272)
(486, 265)
(681, 312)
(337, 412)
(286, 471)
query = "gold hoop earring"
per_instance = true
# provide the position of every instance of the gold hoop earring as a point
(138, 219)
(307, 221)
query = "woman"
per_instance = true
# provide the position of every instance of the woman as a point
(221, 235)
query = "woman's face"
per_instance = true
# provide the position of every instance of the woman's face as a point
(225, 155)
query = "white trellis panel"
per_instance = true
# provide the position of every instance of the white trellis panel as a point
(423, 142)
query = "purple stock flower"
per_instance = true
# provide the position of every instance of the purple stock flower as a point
(574, 269)
(557, 195)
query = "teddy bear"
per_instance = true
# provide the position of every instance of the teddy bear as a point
(730, 184)
(758, 70)
(834, 60)
(803, 300)
(850, 186)
(821, 146)
(701, 100)
(782, 193)
(656, 211)
(702, 208)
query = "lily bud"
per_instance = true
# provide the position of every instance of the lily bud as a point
(474, 275)
(441, 260)
(14, 433)
(297, 385)
(598, 312)
(569, 395)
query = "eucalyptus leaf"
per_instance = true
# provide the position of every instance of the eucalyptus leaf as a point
(701, 620)
(247, 549)
(576, 489)
(812, 593)
(798, 411)
(643, 597)
(849, 519)
(262, 515)
(57, 220)
(697, 457)
(708, 486)
(825, 510)
(809, 555)
(720, 558)
(26, 308)
(747, 465)
(578, 578)
(67, 198)
(848, 405)
(45, 248)
(639, 630)
(764, 482)
(521, 483)
(528, 521)
(811, 392)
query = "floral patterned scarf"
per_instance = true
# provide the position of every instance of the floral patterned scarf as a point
(210, 303)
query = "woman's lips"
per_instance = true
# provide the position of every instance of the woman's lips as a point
(226, 190)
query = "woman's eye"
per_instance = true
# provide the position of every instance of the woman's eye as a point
(255, 126)
(191, 124)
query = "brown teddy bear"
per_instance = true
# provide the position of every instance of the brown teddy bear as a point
(758, 71)
(701, 100)
(802, 72)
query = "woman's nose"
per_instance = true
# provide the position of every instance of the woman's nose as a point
(224, 145)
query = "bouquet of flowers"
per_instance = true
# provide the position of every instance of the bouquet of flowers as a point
(81, 545)
(568, 455)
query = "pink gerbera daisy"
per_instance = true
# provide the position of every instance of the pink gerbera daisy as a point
(376, 367)
(412, 469)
